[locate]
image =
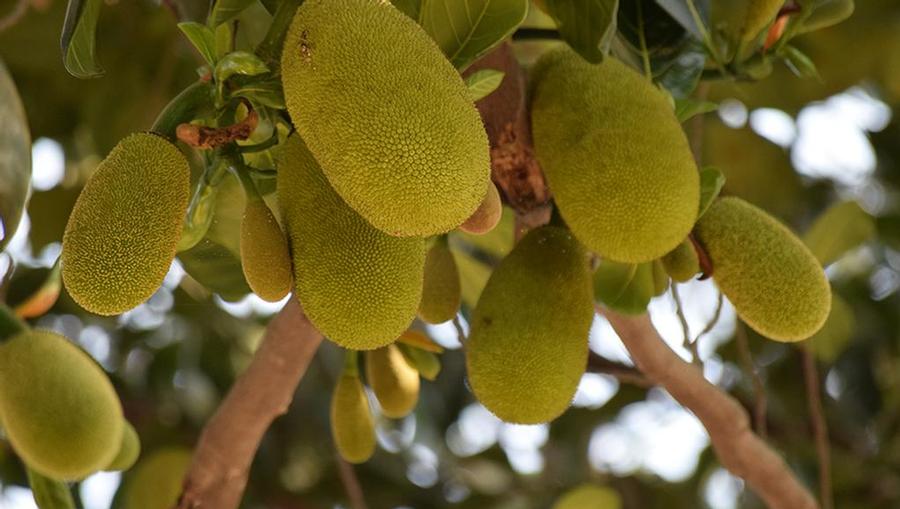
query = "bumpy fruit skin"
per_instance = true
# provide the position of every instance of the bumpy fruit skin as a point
(129, 450)
(487, 215)
(265, 258)
(615, 157)
(156, 481)
(359, 286)
(681, 263)
(529, 342)
(123, 230)
(352, 426)
(386, 115)
(394, 382)
(441, 292)
(60, 412)
(774, 282)
(588, 496)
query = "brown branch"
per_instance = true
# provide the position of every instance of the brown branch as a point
(819, 425)
(760, 401)
(203, 137)
(625, 374)
(351, 483)
(738, 448)
(223, 455)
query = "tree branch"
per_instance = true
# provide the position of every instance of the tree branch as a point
(819, 425)
(226, 448)
(625, 374)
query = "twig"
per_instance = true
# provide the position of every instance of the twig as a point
(691, 346)
(738, 448)
(351, 483)
(223, 455)
(714, 319)
(759, 390)
(15, 15)
(199, 136)
(626, 374)
(819, 425)
(461, 334)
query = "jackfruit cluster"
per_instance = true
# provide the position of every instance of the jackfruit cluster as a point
(528, 345)
(156, 481)
(58, 408)
(441, 292)
(121, 236)
(393, 380)
(614, 155)
(359, 286)
(774, 282)
(352, 426)
(399, 139)
(681, 263)
(265, 259)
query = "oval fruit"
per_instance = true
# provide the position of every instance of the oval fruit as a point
(351, 420)
(487, 215)
(681, 263)
(157, 480)
(441, 292)
(394, 382)
(265, 259)
(129, 450)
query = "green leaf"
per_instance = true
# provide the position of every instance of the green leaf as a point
(832, 339)
(239, 62)
(467, 29)
(841, 228)
(15, 158)
(482, 83)
(688, 108)
(588, 26)
(711, 182)
(624, 287)
(226, 10)
(78, 39)
(217, 268)
(411, 8)
(265, 92)
(203, 39)
(50, 493)
(426, 363)
(800, 63)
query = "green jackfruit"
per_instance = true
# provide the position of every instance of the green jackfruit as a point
(399, 139)
(441, 293)
(352, 426)
(626, 287)
(121, 236)
(682, 263)
(487, 215)
(615, 157)
(774, 282)
(392, 379)
(359, 286)
(265, 259)
(129, 450)
(426, 363)
(529, 342)
(589, 496)
(60, 412)
(157, 480)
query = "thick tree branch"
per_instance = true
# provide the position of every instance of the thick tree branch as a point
(226, 448)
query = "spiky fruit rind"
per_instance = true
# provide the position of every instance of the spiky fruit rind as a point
(529, 341)
(265, 259)
(359, 286)
(392, 379)
(441, 292)
(774, 282)
(352, 426)
(589, 496)
(129, 450)
(121, 236)
(156, 481)
(615, 157)
(487, 215)
(682, 263)
(399, 138)
(58, 408)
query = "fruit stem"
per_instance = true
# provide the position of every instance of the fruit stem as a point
(351, 363)
(184, 107)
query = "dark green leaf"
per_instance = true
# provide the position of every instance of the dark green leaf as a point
(412, 8)
(50, 493)
(265, 92)
(800, 63)
(203, 38)
(688, 108)
(15, 158)
(841, 228)
(79, 38)
(226, 10)
(239, 62)
(588, 26)
(217, 268)
(482, 83)
(624, 287)
(711, 182)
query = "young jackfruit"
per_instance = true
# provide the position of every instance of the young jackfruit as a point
(615, 157)
(589, 496)
(129, 450)
(681, 263)
(352, 426)
(400, 140)
(529, 341)
(60, 412)
(441, 290)
(487, 215)
(265, 259)
(122, 233)
(157, 480)
(394, 382)
(359, 286)
(774, 282)
(426, 363)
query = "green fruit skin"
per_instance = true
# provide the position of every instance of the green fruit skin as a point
(265, 258)
(615, 157)
(386, 114)
(157, 480)
(441, 292)
(129, 451)
(487, 215)
(529, 342)
(359, 286)
(426, 363)
(588, 496)
(352, 426)
(59, 409)
(121, 236)
(660, 279)
(394, 382)
(682, 263)
(774, 282)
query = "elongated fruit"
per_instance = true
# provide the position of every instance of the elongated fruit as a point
(60, 412)
(359, 286)
(265, 259)
(615, 157)
(441, 292)
(529, 342)
(121, 236)
(393, 380)
(386, 114)
(156, 481)
(774, 282)
(351, 420)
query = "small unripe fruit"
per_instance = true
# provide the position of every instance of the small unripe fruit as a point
(128, 451)
(529, 342)
(682, 263)
(589, 496)
(441, 292)
(156, 482)
(487, 215)
(352, 426)
(265, 259)
(660, 279)
(121, 236)
(60, 412)
(426, 363)
(394, 382)
(774, 282)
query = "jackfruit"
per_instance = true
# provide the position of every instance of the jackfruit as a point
(60, 411)
(392, 379)
(156, 482)
(589, 496)
(265, 259)
(386, 114)
(121, 236)
(426, 363)
(774, 282)
(359, 286)
(487, 215)
(129, 450)
(615, 157)
(682, 262)
(441, 293)
(529, 341)
(352, 426)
